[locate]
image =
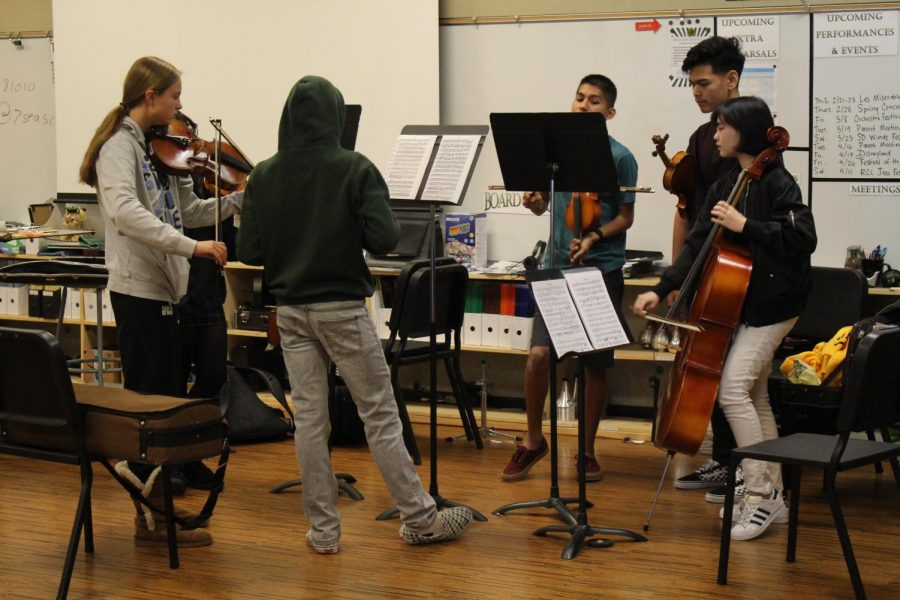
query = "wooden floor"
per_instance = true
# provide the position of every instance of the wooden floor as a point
(259, 550)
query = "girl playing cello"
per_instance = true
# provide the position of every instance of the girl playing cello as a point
(777, 229)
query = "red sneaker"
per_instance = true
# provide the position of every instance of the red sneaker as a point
(521, 462)
(592, 470)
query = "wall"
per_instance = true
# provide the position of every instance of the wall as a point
(239, 63)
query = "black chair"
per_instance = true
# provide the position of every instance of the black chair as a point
(836, 299)
(39, 419)
(871, 399)
(411, 318)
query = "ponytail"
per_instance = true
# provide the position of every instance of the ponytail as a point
(147, 73)
(88, 172)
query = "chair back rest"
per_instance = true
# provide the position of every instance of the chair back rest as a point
(38, 413)
(450, 285)
(872, 383)
(406, 272)
(836, 300)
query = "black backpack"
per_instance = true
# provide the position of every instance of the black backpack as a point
(248, 418)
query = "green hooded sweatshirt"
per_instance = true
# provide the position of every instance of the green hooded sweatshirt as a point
(311, 209)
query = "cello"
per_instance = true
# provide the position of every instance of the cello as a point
(721, 275)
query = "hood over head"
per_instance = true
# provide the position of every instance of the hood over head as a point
(313, 115)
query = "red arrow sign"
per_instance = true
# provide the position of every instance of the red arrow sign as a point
(647, 26)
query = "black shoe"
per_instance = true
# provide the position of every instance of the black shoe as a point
(198, 476)
(179, 486)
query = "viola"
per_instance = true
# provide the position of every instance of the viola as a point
(680, 174)
(177, 150)
(724, 270)
(583, 213)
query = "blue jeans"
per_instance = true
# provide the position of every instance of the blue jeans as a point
(342, 332)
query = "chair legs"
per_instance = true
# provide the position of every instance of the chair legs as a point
(828, 488)
(870, 434)
(171, 535)
(83, 522)
(725, 542)
(463, 403)
(409, 438)
(794, 512)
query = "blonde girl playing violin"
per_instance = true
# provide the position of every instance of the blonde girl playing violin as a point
(771, 220)
(144, 214)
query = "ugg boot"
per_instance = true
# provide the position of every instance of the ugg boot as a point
(150, 524)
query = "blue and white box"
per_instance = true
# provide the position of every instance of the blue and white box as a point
(465, 238)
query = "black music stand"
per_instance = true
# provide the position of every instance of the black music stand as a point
(540, 151)
(439, 131)
(567, 152)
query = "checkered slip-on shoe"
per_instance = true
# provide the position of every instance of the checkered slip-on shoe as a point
(710, 474)
(717, 496)
(448, 525)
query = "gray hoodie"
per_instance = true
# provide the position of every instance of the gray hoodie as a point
(146, 250)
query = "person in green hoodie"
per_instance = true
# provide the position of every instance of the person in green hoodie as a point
(309, 212)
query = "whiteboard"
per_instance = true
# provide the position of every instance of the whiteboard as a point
(536, 67)
(27, 128)
(856, 96)
(239, 61)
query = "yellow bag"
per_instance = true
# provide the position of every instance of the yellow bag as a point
(823, 360)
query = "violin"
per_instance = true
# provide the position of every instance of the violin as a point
(583, 213)
(680, 174)
(176, 150)
(724, 270)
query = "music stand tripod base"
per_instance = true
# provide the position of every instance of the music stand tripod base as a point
(580, 531)
(345, 483)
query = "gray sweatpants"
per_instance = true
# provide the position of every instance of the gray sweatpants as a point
(342, 332)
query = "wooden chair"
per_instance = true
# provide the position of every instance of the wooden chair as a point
(870, 400)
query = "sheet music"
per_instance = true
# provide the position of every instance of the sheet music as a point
(451, 166)
(407, 165)
(595, 308)
(560, 316)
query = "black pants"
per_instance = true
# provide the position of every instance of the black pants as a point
(723, 440)
(205, 349)
(147, 332)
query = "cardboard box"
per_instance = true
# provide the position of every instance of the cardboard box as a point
(112, 360)
(465, 238)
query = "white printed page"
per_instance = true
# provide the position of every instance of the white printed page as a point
(595, 307)
(451, 166)
(409, 158)
(560, 316)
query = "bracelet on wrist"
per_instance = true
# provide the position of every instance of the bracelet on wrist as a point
(600, 236)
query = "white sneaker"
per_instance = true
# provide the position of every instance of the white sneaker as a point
(757, 513)
(738, 505)
(329, 547)
(448, 525)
